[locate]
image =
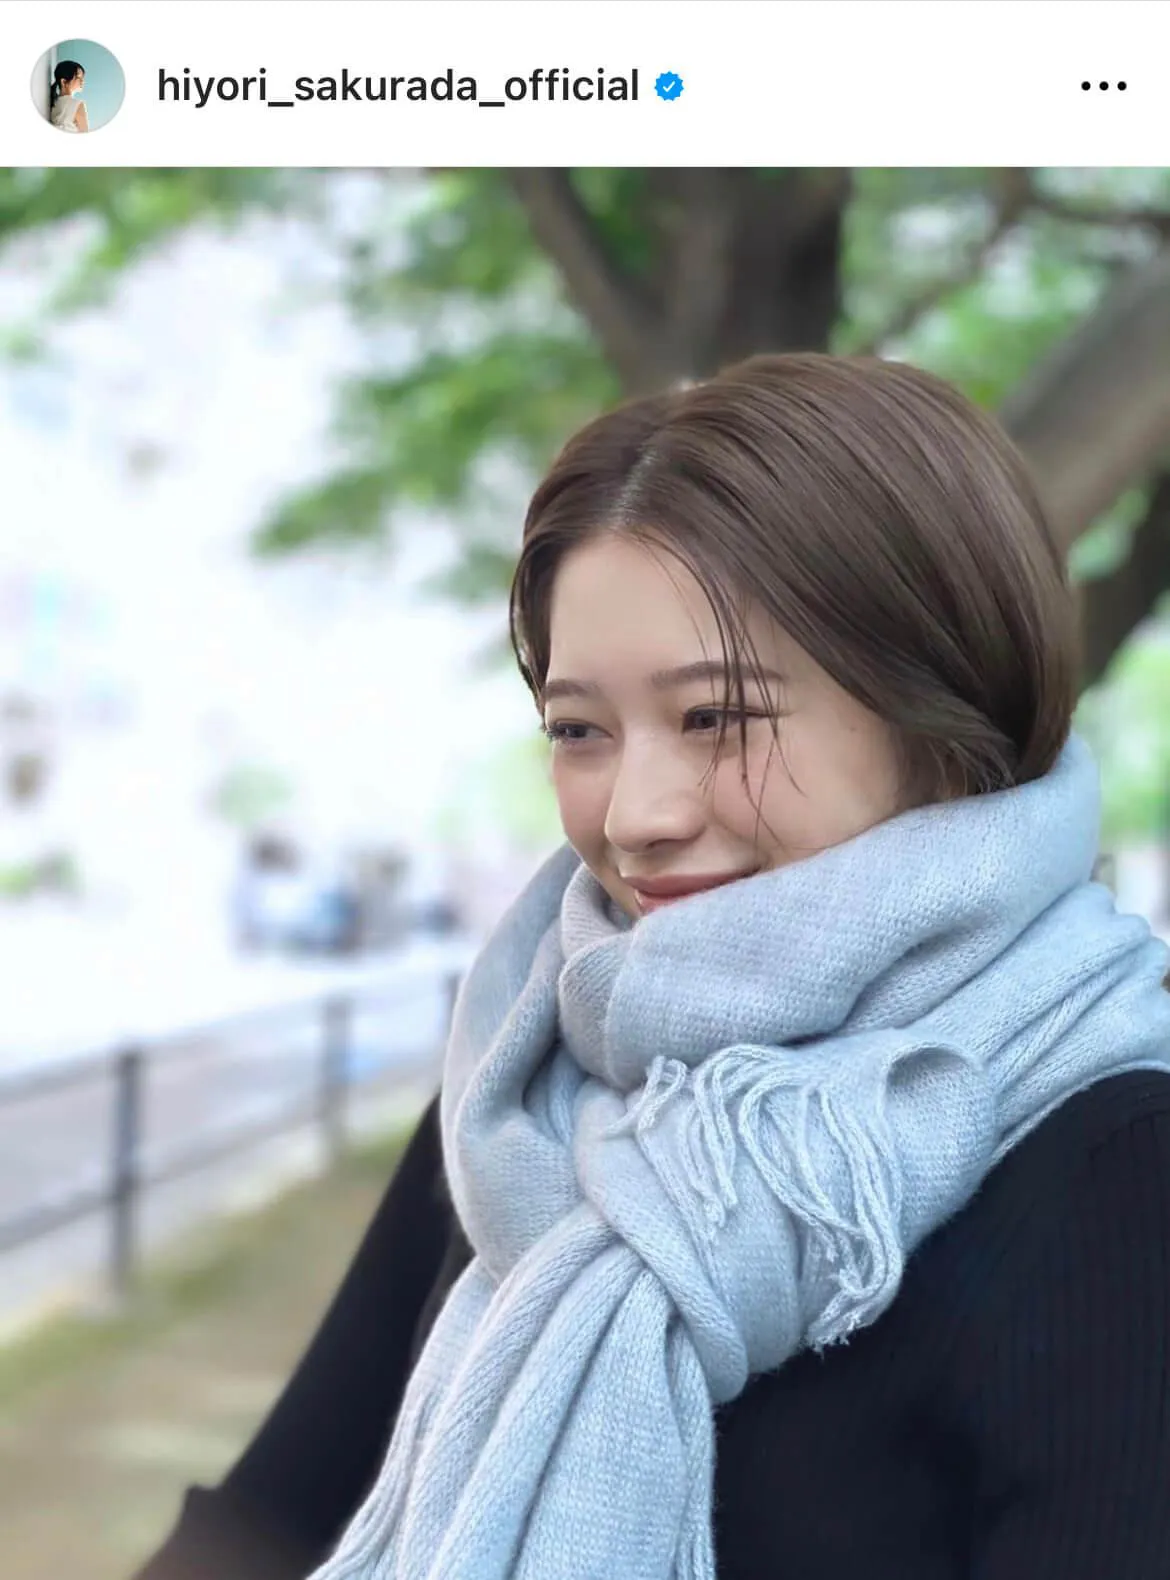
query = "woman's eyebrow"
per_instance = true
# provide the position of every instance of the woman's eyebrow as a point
(660, 680)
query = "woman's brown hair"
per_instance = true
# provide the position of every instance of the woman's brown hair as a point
(883, 521)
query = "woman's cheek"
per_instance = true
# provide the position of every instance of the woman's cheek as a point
(582, 802)
(740, 798)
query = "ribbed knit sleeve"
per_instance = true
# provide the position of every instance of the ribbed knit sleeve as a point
(1067, 1378)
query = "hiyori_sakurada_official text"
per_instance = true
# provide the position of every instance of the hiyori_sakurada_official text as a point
(553, 85)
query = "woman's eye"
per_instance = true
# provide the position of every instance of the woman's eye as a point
(703, 719)
(699, 721)
(564, 733)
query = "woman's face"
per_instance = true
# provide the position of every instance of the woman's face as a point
(633, 736)
(76, 84)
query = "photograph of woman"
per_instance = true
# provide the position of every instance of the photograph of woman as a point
(796, 1199)
(67, 110)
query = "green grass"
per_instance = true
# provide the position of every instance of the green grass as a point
(209, 1268)
(108, 1419)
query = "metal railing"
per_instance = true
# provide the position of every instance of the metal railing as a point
(126, 1073)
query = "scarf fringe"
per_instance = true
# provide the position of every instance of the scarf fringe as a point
(739, 1103)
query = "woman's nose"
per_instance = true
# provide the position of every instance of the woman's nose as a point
(653, 802)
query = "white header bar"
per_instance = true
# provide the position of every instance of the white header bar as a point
(601, 82)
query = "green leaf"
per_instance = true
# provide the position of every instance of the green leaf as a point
(499, 366)
(427, 437)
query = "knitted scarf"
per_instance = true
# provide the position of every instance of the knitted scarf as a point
(683, 1150)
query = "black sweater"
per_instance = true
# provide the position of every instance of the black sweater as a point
(1007, 1419)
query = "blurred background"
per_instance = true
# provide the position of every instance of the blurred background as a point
(266, 775)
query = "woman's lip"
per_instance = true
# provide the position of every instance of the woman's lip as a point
(657, 890)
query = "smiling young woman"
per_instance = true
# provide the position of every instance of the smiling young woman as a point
(647, 796)
(795, 1201)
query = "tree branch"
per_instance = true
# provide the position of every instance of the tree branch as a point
(1076, 213)
(620, 314)
(1095, 413)
(1112, 606)
(1012, 193)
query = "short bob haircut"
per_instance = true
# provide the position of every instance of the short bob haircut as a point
(884, 522)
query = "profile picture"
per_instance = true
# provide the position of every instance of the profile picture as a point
(78, 86)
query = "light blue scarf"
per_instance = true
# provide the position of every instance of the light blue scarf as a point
(686, 1149)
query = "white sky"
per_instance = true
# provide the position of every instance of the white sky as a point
(356, 686)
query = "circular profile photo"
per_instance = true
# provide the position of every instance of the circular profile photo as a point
(78, 86)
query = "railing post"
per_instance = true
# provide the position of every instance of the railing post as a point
(337, 1020)
(126, 1169)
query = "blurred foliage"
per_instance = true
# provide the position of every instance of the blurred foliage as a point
(1127, 721)
(249, 796)
(501, 365)
(519, 787)
(1104, 547)
(56, 873)
(507, 792)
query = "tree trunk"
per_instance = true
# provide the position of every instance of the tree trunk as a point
(1094, 417)
(1113, 606)
(755, 265)
(746, 261)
